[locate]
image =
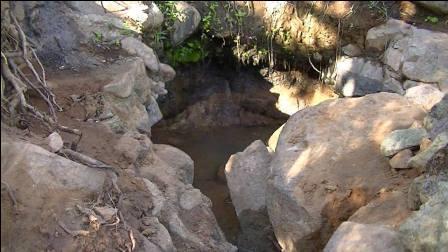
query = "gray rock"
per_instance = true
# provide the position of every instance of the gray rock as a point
(154, 113)
(155, 17)
(351, 236)
(402, 139)
(319, 152)
(358, 76)
(155, 232)
(246, 174)
(351, 50)
(186, 24)
(167, 73)
(179, 160)
(128, 147)
(125, 80)
(440, 7)
(157, 196)
(47, 169)
(421, 60)
(55, 142)
(427, 229)
(401, 159)
(136, 47)
(391, 85)
(190, 199)
(353, 85)
(378, 37)
(426, 95)
(437, 119)
(107, 213)
(422, 160)
(423, 188)
(109, 27)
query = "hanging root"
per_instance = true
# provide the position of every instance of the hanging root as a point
(18, 56)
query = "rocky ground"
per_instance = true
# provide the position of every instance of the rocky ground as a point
(360, 163)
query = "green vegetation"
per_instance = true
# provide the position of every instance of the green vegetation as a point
(191, 51)
(432, 19)
(98, 37)
(210, 18)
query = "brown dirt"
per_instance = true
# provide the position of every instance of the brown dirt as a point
(39, 209)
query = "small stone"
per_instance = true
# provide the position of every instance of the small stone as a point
(167, 73)
(190, 199)
(399, 140)
(351, 50)
(55, 142)
(129, 148)
(401, 159)
(106, 212)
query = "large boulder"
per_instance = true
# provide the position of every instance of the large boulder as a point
(352, 237)
(246, 174)
(24, 162)
(328, 163)
(186, 23)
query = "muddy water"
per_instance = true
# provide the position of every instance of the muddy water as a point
(210, 149)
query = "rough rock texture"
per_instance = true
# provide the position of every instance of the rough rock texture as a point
(155, 17)
(424, 95)
(246, 174)
(351, 236)
(437, 119)
(378, 37)
(157, 234)
(427, 229)
(328, 164)
(402, 139)
(136, 47)
(417, 59)
(388, 209)
(401, 159)
(130, 98)
(185, 212)
(437, 150)
(358, 76)
(393, 86)
(424, 187)
(186, 24)
(176, 158)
